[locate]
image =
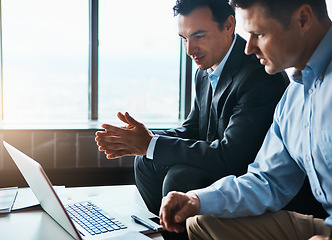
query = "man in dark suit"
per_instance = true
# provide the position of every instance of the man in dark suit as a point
(233, 108)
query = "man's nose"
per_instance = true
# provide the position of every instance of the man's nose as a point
(191, 48)
(250, 46)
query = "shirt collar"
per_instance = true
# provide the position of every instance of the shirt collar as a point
(322, 56)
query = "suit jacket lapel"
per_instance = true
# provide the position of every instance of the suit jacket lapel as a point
(210, 125)
(223, 83)
(231, 67)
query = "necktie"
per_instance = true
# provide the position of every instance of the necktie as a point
(214, 81)
(213, 120)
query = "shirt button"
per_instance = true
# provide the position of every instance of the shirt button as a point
(318, 192)
(306, 124)
(308, 159)
(321, 77)
(310, 91)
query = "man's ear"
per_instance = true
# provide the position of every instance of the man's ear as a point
(305, 17)
(229, 24)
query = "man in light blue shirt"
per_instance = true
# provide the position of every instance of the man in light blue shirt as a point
(282, 34)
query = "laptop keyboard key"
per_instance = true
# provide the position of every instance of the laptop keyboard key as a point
(90, 217)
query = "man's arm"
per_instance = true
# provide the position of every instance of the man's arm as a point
(243, 123)
(270, 183)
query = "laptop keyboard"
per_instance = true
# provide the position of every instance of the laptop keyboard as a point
(90, 217)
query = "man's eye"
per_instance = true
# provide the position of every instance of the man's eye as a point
(259, 35)
(199, 36)
(256, 35)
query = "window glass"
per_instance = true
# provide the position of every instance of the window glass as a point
(329, 7)
(138, 60)
(45, 60)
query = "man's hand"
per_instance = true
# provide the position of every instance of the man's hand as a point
(132, 139)
(175, 208)
(319, 238)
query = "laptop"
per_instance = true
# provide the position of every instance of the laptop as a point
(114, 224)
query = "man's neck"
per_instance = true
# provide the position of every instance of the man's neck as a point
(314, 36)
(229, 46)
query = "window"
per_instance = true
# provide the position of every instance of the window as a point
(45, 59)
(138, 60)
(45, 48)
(329, 7)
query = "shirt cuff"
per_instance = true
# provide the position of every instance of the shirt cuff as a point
(209, 200)
(151, 147)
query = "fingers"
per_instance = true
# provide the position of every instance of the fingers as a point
(318, 237)
(169, 207)
(132, 139)
(131, 120)
(131, 123)
(122, 117)
(176, 207)
(189, 209)
(114, 150)
(104, 133)
(113, 129)
(111, 144)
(112, 134)
(117, 154)
(109, 148)
(107, 139)
(165, 213)
(183, 214)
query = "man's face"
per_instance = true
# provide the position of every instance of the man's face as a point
(204, 42)
(276, 47)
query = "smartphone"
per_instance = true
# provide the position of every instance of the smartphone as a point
(155, 219)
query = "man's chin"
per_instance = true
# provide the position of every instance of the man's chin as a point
(202, 67)
(271, 70)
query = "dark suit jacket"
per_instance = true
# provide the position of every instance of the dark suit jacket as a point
(245, 97)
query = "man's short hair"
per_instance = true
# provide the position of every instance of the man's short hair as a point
(221, 9)
(282, 10)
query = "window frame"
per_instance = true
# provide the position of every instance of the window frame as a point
(185, 73)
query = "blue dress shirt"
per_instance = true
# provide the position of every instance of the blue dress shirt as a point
(298, 143)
